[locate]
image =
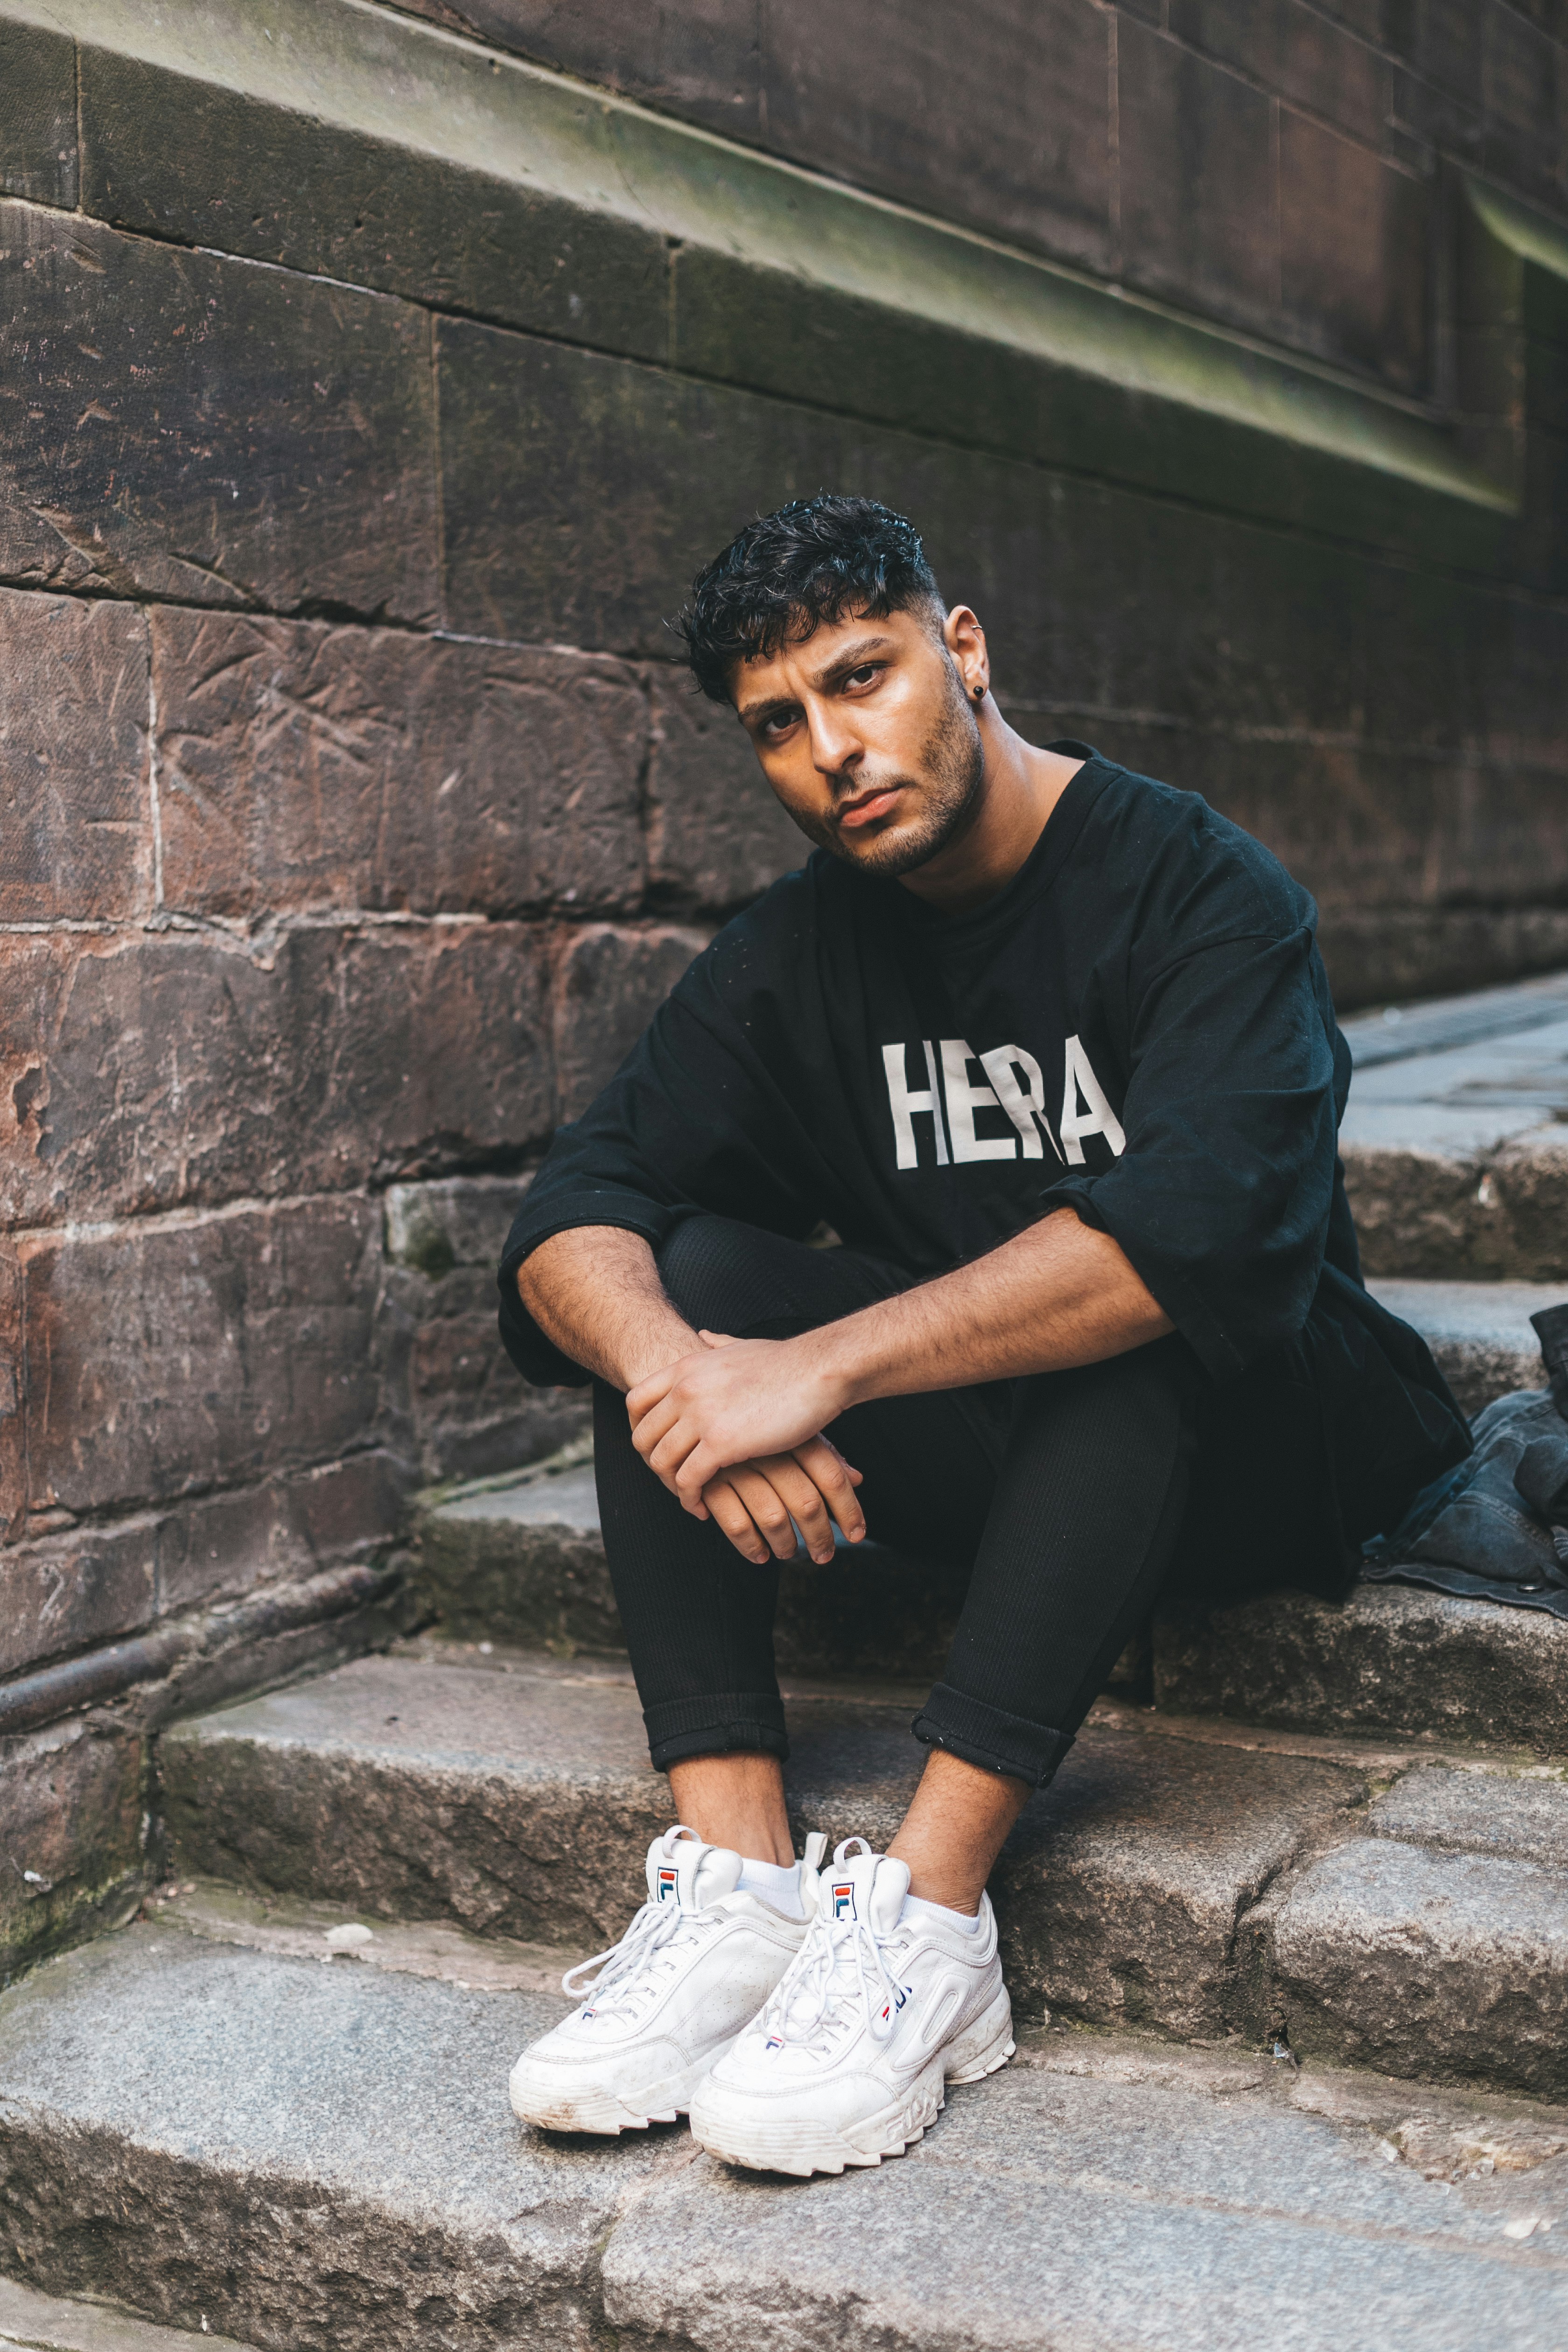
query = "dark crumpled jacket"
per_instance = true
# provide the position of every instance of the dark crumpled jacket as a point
(1496, 1527)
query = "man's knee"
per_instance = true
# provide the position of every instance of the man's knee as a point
(724, 1275)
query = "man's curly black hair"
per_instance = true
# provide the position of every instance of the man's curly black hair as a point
(786, 573)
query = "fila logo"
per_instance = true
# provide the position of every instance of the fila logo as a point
(1016, 1086)
(668, 1886)
(844, 1899)
(773, 2042)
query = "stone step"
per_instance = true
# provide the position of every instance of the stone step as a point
(1455, 1153)
(1178, 1875)
(323, 2159)
(31, 2322)
(520, 1560)
(514, 1796)
(1391, 1658)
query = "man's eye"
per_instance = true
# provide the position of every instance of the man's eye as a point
(863, 675)
(780, 722)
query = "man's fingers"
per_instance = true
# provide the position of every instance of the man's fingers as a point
(804, 1502)
(730, 1514)
(653, 1424)
(769, 1507)
(832, 1475)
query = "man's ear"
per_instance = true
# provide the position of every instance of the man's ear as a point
(965, 641)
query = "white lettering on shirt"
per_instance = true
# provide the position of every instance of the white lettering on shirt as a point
(905, 1104)
(963, 1100)
(1098, 1119)
(1024, 1105)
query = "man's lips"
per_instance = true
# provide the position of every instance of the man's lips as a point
(866, 811)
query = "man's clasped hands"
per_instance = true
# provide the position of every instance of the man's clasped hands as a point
(734, 1430)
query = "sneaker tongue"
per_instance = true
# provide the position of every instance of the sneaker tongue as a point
(867, 1887)
(684, 1871)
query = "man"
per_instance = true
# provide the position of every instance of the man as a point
(1049, 1046)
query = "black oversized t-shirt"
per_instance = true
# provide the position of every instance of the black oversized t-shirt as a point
(1139, 1026)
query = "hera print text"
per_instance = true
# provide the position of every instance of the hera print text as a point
(1014, 1084)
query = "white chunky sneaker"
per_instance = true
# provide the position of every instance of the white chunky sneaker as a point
(694, 1966)
(848, 2061)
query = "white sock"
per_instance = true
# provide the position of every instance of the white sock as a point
(916, 1907)
(777, 1883)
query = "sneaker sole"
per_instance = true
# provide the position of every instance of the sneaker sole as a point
(590, 2107)
(800, 2150)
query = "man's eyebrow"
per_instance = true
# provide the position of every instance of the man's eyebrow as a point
(850, 657)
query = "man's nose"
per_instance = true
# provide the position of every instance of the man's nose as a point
(835, 746)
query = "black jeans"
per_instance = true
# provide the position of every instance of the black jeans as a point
(1064, 1493)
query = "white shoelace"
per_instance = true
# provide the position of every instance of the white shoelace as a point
(646, 1947)
(799, 2006)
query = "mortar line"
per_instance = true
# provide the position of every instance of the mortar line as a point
(155, 803)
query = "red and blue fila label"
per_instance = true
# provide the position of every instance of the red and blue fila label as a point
(668, 1885)
(844, 1899)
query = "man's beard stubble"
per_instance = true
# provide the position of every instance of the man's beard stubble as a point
(949, 772)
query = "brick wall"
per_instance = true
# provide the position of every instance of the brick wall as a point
(353, 816)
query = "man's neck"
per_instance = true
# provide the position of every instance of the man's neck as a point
(1020, 787)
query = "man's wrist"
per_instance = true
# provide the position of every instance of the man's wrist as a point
(828, 1365)
(655, 1350)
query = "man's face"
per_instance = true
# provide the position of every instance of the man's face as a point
(865, 733)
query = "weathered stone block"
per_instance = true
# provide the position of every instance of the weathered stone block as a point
(37, 115)
(525, 1564)
(1424, 1963)
(1184, 123)
(700, 59)
(65, 1591)
(72, 1819)
(1007, 129)
(286, 1529)
(1486, 1216)
(1296, 53)
(455, 1221)
(272, 168)
(609, 986)
(1355, 234)
(76, 830)
(301, 765)
(12, 1383)
(1392, 1658)
(1140, 2207)
(166, 1357)
(158, 1071)
(470, 1415)
(191, 426)
(716, 832)
(154, 2083)
(1120, 1892)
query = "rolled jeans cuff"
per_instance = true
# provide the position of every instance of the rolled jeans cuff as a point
(718, 1724)
(986, 1736)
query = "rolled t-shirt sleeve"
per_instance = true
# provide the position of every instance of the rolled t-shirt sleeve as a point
(1221, 1197)
(690, 1122)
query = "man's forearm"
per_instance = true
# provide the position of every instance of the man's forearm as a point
(1060, 1294)
(594, 1291)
